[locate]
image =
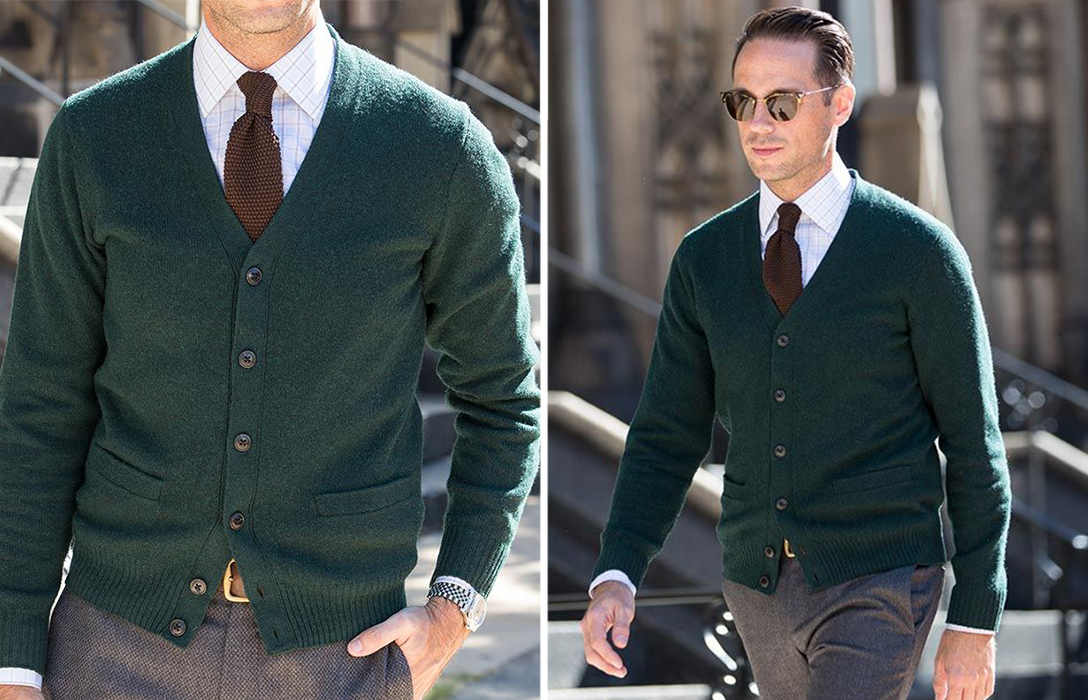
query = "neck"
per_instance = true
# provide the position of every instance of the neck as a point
(258, 51)
(792, 188)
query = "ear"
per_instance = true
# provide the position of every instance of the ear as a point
(843, 102)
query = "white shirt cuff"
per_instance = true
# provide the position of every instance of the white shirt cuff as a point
(961, 628)
(612, 575)
(458, 581)
(13, 675)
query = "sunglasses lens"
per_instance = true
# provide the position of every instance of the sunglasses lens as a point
(739, 106)
(782, 107)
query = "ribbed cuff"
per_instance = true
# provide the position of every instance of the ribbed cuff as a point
(619, 554)
(471, 555)
(23, 640)
(975, 606)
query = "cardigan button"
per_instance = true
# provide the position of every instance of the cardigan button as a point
(247, 359)
(779, 395)
(198, 586)
(177, 627)
(237, 520)
(780, 451)
(253, 276)
(781, 504)
(242, 442)
(764, 581)
(769, 551)
(783, 340)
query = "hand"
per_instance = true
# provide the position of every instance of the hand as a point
(612, 607)
(20, 692)
(964, 669)
(429, 635)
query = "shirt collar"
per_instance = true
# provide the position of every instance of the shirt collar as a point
(303, 73)
(830, 188)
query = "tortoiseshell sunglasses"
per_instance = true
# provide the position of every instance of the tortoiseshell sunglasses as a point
(782, 106)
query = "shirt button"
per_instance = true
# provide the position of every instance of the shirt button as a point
(253, 275)
(783, 340)
(764, 581)
(177, 627)
(779, 450)
(779, 395)
(237, 520)
(242, 442)
(781, 504)
(769, 551)
(198, 586)
(247, 359)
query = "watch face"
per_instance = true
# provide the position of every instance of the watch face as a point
(476, 612)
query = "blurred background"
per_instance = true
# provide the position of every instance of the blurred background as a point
(485, 52)
(972, 109)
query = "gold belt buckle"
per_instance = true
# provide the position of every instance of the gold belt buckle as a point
(786, 548)
(227, 578)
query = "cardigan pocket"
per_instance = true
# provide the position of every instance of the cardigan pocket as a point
(123, 474)
(732, 489)
(366, 499)
(872, 480)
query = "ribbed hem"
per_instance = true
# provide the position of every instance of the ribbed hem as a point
(23, 639)
(331, 616)
(471, 555)
(867, 551)
(621, 554)
(975, 606)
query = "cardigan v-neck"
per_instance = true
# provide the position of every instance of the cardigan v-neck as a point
(752, 234)
(205, 180)
(211, 397)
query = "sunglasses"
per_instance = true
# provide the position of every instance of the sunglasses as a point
(782, 106)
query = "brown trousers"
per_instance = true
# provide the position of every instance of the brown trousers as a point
(860, 639)
(95, 655)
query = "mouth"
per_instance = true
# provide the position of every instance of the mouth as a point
(766, 151)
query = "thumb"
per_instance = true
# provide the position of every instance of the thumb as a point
(940, 682)
(621, 630)
(373, 638)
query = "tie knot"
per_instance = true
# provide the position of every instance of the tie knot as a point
(788, 216)
(258, 88)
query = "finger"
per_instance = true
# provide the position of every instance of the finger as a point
(373, 638)
(594, 659)
(594, 626)
(940, 686)
(609, 654)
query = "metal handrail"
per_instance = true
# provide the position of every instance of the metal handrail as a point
(166, 13)
(30, 81)
(477, 83)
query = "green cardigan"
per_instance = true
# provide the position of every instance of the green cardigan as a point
(131, 417)
(832, 410)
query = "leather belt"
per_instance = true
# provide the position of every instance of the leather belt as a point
(786, 548)
(233, 590)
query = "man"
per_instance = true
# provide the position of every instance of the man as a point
(834, 364)
(233, 254)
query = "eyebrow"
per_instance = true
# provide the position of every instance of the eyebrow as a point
(739, 88)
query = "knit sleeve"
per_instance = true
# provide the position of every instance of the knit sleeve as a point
(48, 407)
(668, 438)
(478, 320)
(951, 349)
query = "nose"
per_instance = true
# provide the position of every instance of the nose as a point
(761, 121)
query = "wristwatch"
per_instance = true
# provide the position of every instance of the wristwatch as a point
(471, 604)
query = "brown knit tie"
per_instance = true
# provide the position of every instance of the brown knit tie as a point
(782, 260)
(252, 174)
